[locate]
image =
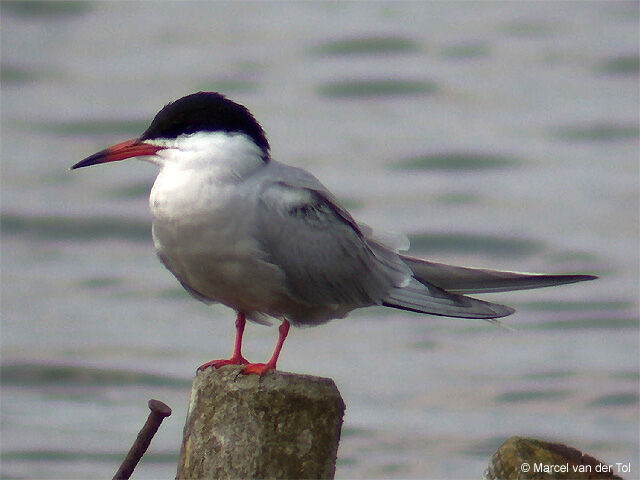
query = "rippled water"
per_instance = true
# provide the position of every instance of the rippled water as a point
(497, 135)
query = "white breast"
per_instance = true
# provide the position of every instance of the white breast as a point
(202, 226)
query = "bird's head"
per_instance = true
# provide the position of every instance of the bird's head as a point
(196, 120)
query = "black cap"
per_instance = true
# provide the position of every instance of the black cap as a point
(205, 112)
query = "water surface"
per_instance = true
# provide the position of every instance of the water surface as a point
(497, 135)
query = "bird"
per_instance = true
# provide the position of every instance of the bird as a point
(270, 241)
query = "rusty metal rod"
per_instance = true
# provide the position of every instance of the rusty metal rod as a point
(159, 411)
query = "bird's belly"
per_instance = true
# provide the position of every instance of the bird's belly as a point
(201, 232)
(220, 264)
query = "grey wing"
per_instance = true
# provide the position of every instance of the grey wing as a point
(328, 259)
(423, 297)
(320, 248)
(475, 280)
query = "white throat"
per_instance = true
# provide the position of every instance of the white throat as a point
(221, 154)
(198, 173)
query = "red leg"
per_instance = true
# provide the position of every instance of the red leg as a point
(262, 368)
(236, 358)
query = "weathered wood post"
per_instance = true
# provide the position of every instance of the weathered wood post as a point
(280, 425)
(521, 458)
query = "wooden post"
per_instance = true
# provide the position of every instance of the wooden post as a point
(527, 458)
(280, 425)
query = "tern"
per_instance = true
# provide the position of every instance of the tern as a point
(271, 242)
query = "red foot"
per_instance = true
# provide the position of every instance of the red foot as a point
(257, 369)
(236, 358)
(222, 363)
(262, 368)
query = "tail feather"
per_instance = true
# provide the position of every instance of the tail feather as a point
(474, 280)
(425, 298)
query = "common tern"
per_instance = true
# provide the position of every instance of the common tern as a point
(270, 241)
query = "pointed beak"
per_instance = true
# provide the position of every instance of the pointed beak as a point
(129, 149)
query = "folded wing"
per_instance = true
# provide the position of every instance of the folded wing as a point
(329, 260)
(475, 280)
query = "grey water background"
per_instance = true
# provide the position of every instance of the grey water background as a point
(501, 135)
